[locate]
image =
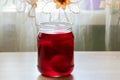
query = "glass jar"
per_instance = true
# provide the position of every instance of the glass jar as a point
(55, 49)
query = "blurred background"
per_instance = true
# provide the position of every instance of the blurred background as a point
(94, 28)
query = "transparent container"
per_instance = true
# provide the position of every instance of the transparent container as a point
(55, 49)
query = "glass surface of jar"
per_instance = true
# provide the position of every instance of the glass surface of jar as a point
(55, 44)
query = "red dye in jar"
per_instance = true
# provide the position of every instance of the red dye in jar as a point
(55, 53)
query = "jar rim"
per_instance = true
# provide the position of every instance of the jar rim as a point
(54, 27)
(56, 23)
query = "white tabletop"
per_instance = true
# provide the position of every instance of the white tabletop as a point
(88, 66)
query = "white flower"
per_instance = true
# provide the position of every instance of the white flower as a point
(58, 6)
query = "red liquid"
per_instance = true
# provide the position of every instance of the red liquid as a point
(55, 54)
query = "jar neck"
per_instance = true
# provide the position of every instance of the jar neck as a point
(55, 27)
